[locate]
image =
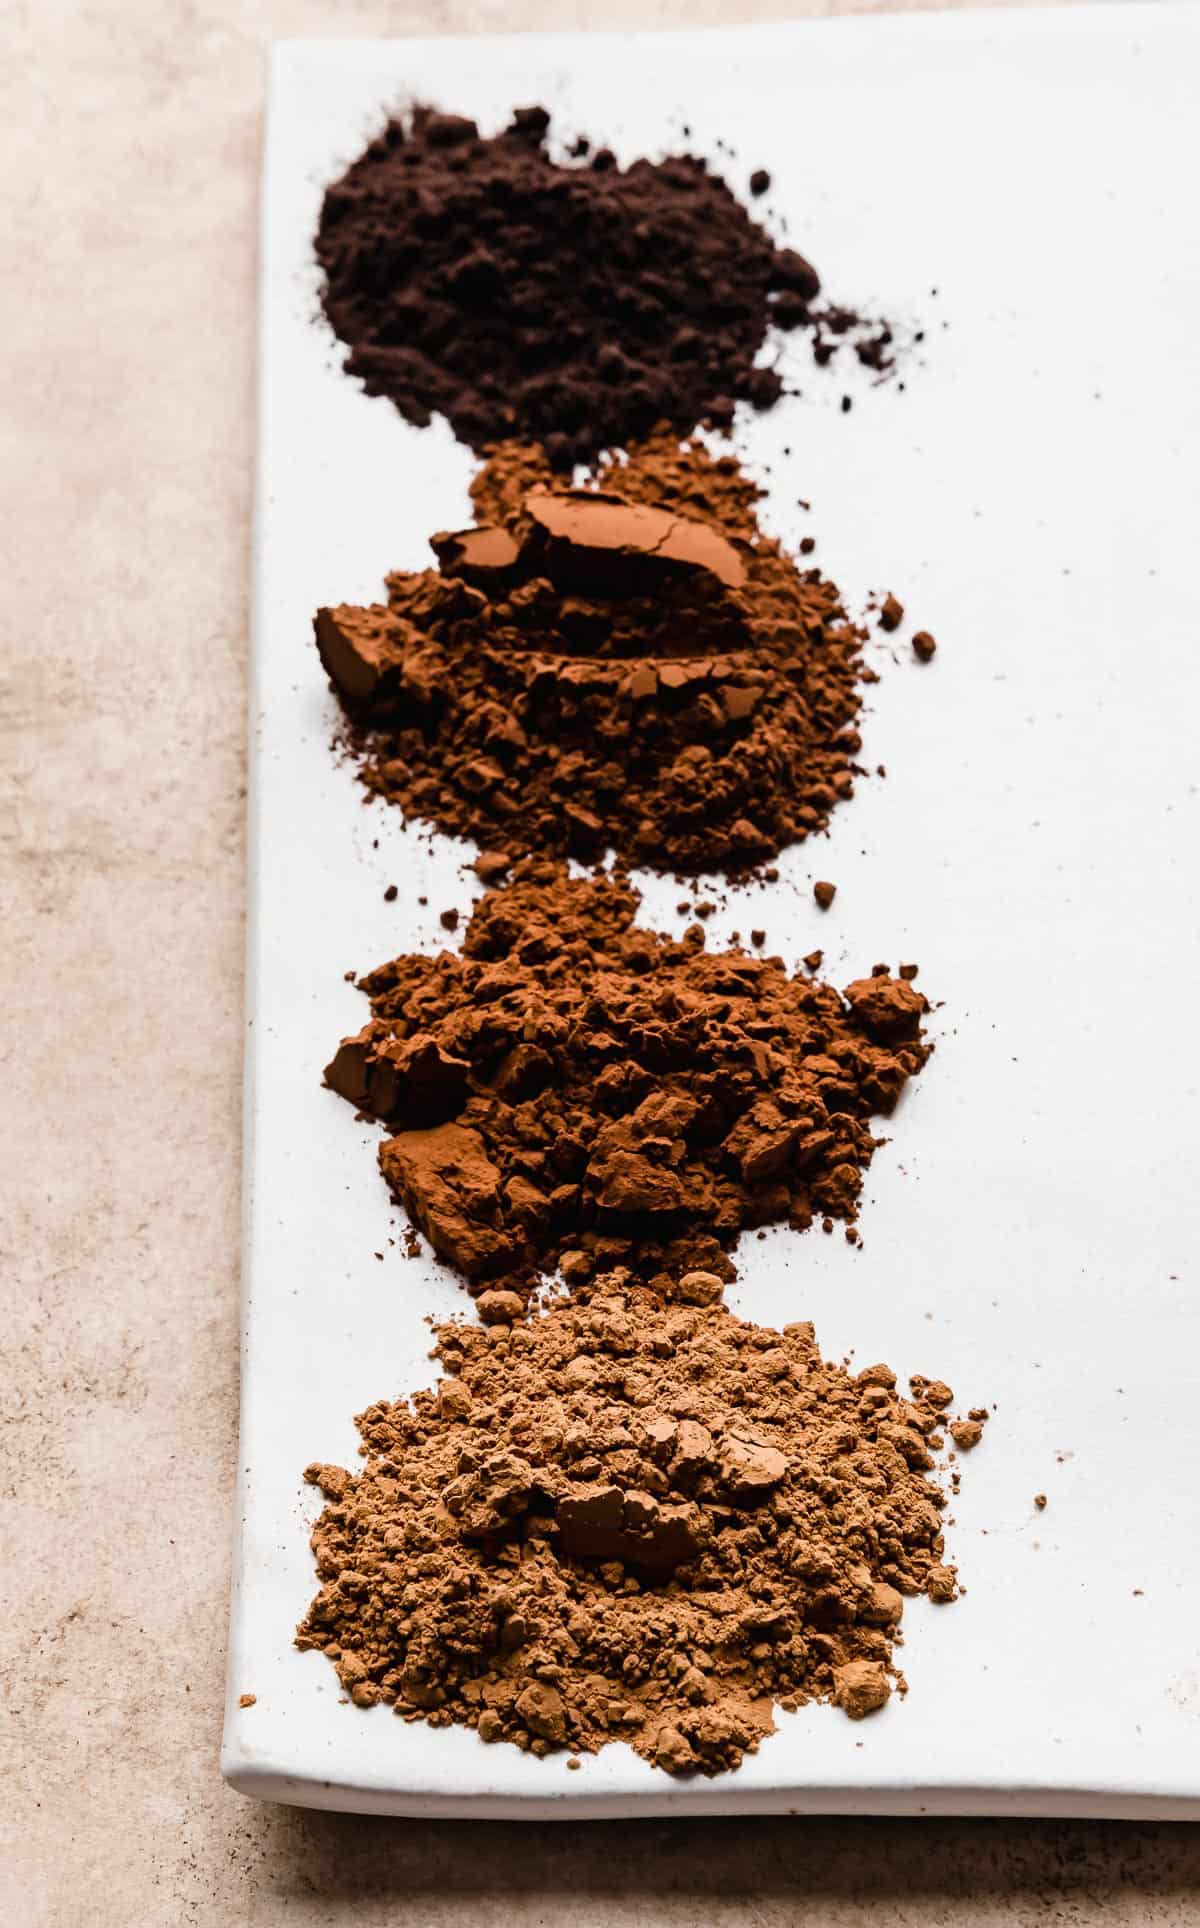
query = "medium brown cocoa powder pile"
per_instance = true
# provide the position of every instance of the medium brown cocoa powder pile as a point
(633, 666)
(631, 1520)
(576, 1089)
(580, 303)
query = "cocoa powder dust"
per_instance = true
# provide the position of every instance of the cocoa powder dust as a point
(631, 1520)
(633, 666)
(574, 1089)
(579, 303)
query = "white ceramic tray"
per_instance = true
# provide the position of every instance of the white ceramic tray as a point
(1031, 1233)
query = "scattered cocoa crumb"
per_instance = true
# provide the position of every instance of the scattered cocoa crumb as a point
(941, 1584)
(390, 894)
(760, 181)
(449, 920)
(908, 972)
(923, 645)
(966, 1433)
(758, 939)
(807, 545)
(813, 959)
(1039, 1500)
(574, 1087)
(824, 894)
(635, 1519)
(247, 1700)
(862, 1688)
(891, 612)
(498, 1307)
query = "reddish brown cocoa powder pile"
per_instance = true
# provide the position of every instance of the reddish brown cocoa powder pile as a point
(577, 303)
(631, 1520)
(634, 667)
(575, 1089)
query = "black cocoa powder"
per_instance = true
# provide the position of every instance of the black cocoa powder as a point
(578, 303)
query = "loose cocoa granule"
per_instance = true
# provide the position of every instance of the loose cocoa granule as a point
(632, 666)
(891, 612)
(579, 303)
(631, 1520)
(967, 1433)
(824, 893)
(924, 646)
(575, 1089)
(941, 1584)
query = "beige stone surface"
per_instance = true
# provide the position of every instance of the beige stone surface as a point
(130, 140)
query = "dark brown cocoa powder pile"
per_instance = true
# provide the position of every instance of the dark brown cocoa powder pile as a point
(631, 1520)
(579, 303)
(575, 1089)
(635, 667)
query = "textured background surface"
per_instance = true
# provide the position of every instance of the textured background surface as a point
(130, 143)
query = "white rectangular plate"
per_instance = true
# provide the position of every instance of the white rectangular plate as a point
(1031, 1230)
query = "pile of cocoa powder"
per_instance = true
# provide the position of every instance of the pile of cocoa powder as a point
(623, 1513)
(578, 302)
(576, 1090)
(637, 1520)
(631, 666)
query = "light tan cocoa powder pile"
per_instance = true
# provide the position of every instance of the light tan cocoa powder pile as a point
(633, 1519)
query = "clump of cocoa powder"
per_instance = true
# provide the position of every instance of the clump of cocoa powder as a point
(579, 303)
(576, 1089)
(632, 666)
(631, 1520)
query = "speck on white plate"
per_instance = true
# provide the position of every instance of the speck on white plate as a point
(1019, 186)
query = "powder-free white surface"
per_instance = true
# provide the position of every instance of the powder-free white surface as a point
(1031, 1231)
